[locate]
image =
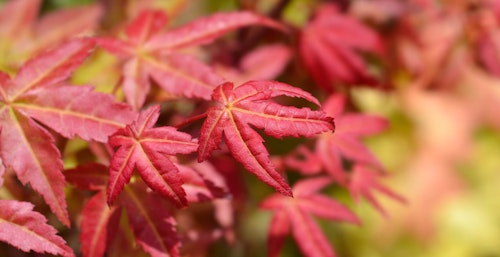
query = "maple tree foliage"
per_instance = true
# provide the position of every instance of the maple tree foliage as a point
(333, 58)
(39, 92)
(157, 174)
(27, 230)
(295, 214)
(149, 53)
(142, 146)
(345, 144)
(238, 107)
(25, 34)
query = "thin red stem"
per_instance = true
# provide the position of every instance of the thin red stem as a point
(192, 119)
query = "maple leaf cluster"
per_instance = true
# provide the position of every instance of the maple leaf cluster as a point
(147, 136)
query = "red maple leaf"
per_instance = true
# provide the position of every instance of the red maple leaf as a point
(295, 214)
(236, 108)
(99, 221)
(150, 53)
(257, 65)
(153, 226)
(329, 45)
(23, 35)
(345, 143)
(98, 225)
(28, 231)
(142, 146)
(39, 93)
(364, 182)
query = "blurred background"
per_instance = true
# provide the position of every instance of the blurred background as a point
(440, 66)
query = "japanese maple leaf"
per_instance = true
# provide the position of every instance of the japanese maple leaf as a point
(295, 214)
(153, 226)
(257, 65)
(364, 182)
(329, 46)
(149, 52)
(23, 34)
(236, 109)
(39, 93)
(345, 143)
(98, 225)
(27, 230)
(142, 146)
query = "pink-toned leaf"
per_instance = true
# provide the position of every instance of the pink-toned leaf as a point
(146, 24)
(19, 24)
(90, 176)
(205, 30)
(259, 66)
(332, 58)
(246, 146)
(295, 213)
(360, 124)
(304, 160)
(236, 108)
(279, 228)
(305, 188)
(66, 23)
(76, 111)
(98, 222)
(30, 151)
(136, 82)
(28, 231)
(50, 67)
(183, 74)
(364, 183)
(331, 159)
(327, 208)
(197, 187)
(150, 53)
(308, 235)
(122, 49)
(142, 146)
(152, 224)
(353, 149)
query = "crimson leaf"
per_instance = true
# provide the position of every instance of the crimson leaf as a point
(39, 92)
(142, 146)
(329, 45)
(24, 35)
(28, 231)
(295, 214)
(152, 224)
(236, 108)
(99, 221)
(151, 53)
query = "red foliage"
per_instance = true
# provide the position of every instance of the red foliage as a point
(238, 107)
(136, 185)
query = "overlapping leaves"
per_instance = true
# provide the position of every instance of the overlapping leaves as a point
(150, 53)
(295, 214)
(142, 146)
(39, 93)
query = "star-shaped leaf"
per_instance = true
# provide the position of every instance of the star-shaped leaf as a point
(39, 93)
(329, 46)
(236, 109)
(295, 214)
(24, 34)
(149, 52)
(345, 143)
(141, 146)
